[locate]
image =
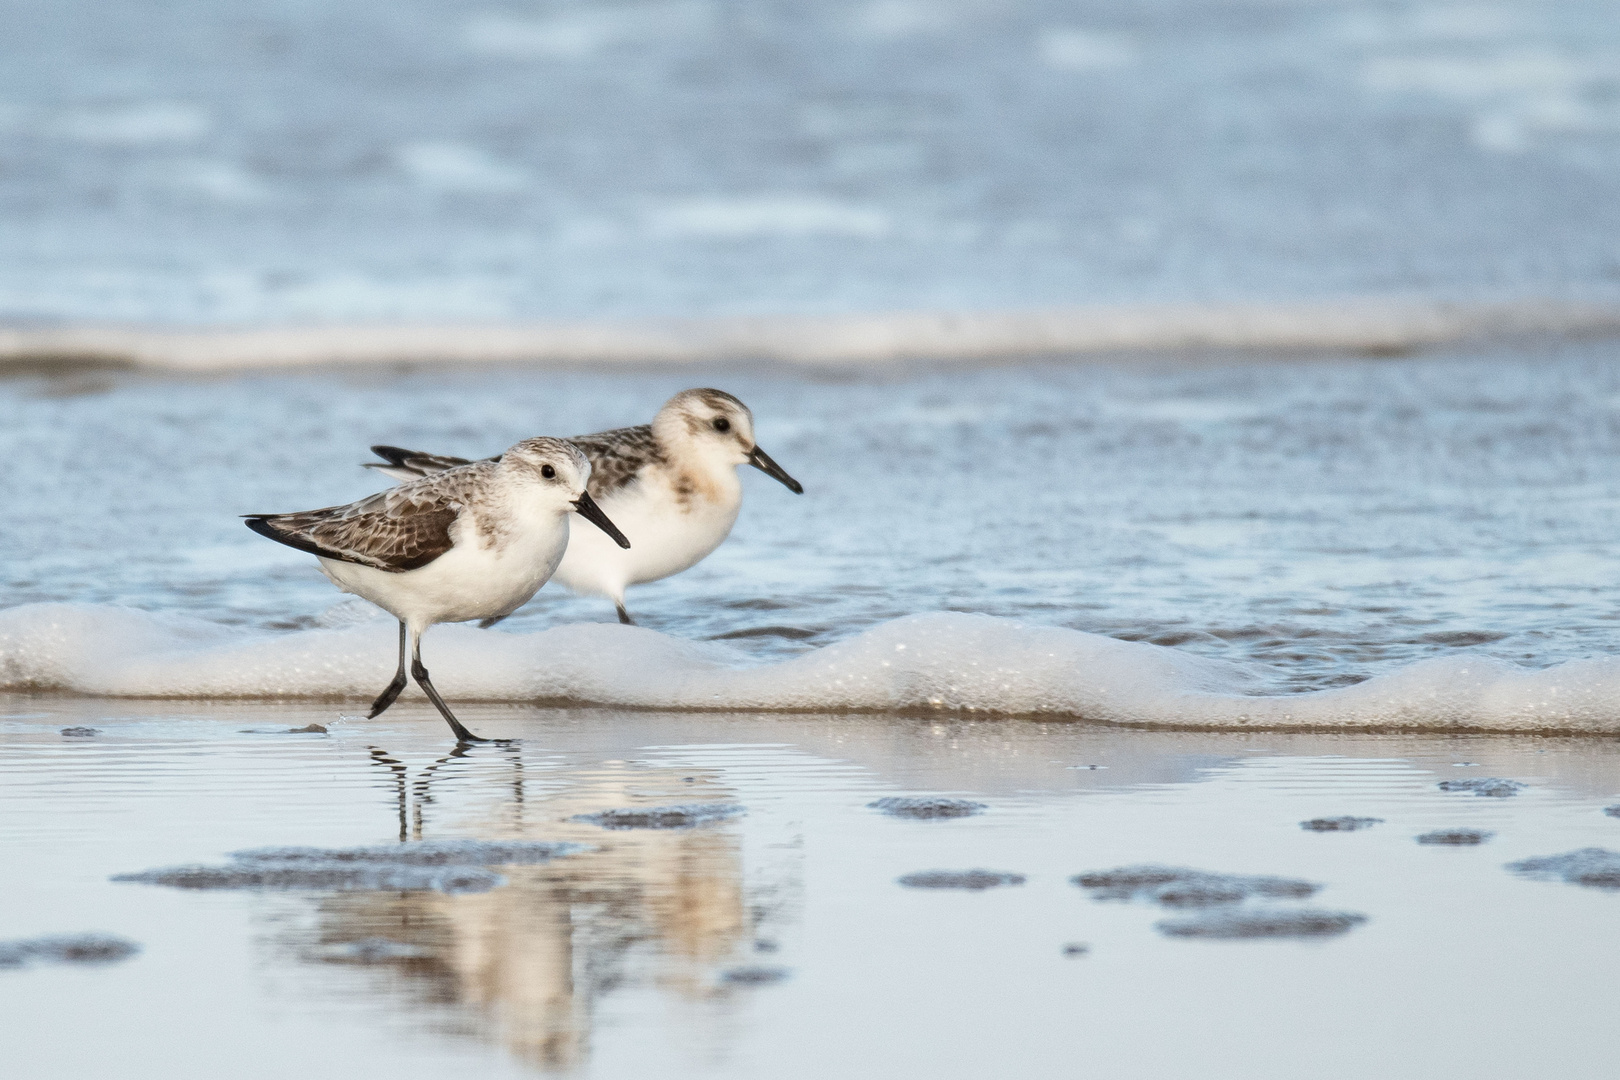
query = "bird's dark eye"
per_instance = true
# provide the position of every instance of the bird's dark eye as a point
(722, 424)
(548, 472)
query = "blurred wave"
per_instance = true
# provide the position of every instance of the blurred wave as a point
(190, 162)
(1370, 325)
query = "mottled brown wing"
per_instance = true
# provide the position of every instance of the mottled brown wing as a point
(617, 456)
(404, 528)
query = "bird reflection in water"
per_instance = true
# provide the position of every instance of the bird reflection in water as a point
(526, 963)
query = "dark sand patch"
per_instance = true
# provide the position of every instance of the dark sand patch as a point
(373, 950)
(1494, 787)
(447, 866)
(1345, 823)
(422, 853)
(1180, 887)
(684, 816)
(960, 879)
(754, 976)
(67, 949)
(1455, 837)
(1245, 925)
(80, 732)
(1595, 867)
(926, 808)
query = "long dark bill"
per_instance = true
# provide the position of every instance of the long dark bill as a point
(587, 509)
(760, 460)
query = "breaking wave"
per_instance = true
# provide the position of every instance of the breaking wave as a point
(946, 662)
(1368, 324)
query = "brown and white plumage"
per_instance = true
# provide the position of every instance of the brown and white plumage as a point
(672, 483)
(475, 541)
(403, 528)
(617, 457)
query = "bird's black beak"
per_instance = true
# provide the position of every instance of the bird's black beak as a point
(760, 460)
(586, 507)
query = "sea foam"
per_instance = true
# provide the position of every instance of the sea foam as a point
(947, 662)
(1355, 323)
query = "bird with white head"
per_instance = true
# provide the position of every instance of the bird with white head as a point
(475, 541)
(672, 483)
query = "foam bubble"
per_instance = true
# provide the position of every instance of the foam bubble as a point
(945, 661)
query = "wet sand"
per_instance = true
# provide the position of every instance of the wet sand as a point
(781, 940)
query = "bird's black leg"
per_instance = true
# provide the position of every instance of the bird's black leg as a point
(420, 674)
(624, 616)
(397, 767)
(387, 697)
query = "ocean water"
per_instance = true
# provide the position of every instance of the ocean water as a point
(198, 162)
(1412, 542)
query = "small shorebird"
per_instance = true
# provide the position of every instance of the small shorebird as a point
(673, 483)
(472, 542)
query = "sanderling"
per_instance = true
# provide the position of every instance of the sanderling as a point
(472, 542)
(673, 483)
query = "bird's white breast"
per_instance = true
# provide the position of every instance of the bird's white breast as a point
(672, 519)
(489, 572)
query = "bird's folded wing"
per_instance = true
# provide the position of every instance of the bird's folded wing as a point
(404, 528)
(617, 456)
(400, 462)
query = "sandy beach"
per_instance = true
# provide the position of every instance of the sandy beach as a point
(732, 947)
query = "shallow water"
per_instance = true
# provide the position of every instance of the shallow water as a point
(1316, 522)
(193, 161)
(779, 942)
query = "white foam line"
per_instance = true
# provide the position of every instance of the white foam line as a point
(1365, 324)
(947, 662)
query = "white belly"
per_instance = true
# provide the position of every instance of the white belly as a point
(467, 582)
(666, 537)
